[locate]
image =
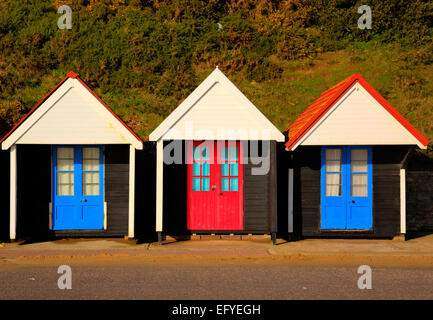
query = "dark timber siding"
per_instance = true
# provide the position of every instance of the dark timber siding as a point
(145, 192)
(175, 194)
(386, 192)
(260, 198)
(117, 188)
(34, 192)
(283, 165)
(4, 195)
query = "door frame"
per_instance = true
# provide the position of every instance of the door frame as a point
(346, 184)
(53, 180)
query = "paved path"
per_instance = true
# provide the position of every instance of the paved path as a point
(227, 282)
(421, 246)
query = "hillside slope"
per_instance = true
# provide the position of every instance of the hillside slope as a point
(144, 57)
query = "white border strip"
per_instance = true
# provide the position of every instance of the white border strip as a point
(290, 217)
(131, 205)
(13, 193)
(403, 201)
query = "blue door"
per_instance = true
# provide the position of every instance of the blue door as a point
(346, 188)
(78, 200)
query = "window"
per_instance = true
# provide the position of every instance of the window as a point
(65, 171)
(359, 170)
(91, 163)
(229, 168)
(333, 172)
(201, 168)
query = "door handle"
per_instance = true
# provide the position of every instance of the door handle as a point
(213, 187)
(353, 201)
(221, 193)
(84, 200)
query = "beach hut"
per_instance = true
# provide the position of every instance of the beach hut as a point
(216, 164)
(349, 152)
(72, 167)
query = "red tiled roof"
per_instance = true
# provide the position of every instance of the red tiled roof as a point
(328, 99)
(72, 75)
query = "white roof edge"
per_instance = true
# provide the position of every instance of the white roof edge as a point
(215, 77)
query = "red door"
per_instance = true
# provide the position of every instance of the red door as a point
(215, 186)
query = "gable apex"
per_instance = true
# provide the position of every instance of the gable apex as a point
(72, 74)
(71, 113)
(215, 105)
(340, 125)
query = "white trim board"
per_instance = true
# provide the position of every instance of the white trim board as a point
(71, 115)
(13, 193)
(207, 108)
(402, 201)
(358, 119)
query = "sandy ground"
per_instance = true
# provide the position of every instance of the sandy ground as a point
(298, 260)
(416, 253)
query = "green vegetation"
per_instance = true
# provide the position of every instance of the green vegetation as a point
(143, 57)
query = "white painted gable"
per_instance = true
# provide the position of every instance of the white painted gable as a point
(216, 110)
(358, 119)
(72, 115)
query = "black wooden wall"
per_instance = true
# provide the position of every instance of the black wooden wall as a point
(260, 198)
(260, 194)
(145, 193)
(116, 159)
(175, 195)
(33, 191)
(386, 192)
(4, 195)
(284, 163)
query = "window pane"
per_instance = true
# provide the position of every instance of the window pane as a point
(91, 153)
(358, 160)
(205, 169)
(233, 153)
(196, 153)
(65, 159)
(333, 184)
(333, 160)
(358, 154)
(91, 159)
(195, 184)
(65, 153)
(234, 184)
(225, 169)
(225, 184)
(90, 165)
(91, 183)
(359, 185)
(234, 169)
(224, 153)
(65, 183)
(65, 165)
(196, 168)
(205, 184)
(205, 153)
